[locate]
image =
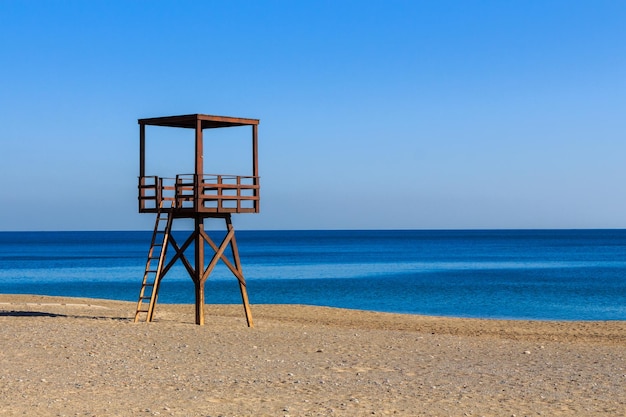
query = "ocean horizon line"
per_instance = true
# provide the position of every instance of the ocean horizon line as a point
(521, 229)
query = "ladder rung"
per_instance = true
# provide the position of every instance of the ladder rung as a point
(159, 244)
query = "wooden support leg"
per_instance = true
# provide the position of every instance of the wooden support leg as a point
(246, 305)
(199, 271)
(199, 302)
(242, 282)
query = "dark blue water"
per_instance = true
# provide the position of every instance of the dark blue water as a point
(535, 274)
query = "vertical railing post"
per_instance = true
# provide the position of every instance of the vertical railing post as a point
(158, 184)
(141, 194)
(219, 193)
(177, 192)
(195, 197)
(238, 193)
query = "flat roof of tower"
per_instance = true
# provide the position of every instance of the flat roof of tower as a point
(189, 121)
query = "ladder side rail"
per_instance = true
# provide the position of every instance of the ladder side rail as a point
(151, 276)
(162, 256)
(148, 270)
(159, 274)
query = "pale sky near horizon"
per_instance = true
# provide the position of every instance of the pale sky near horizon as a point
(374, 114)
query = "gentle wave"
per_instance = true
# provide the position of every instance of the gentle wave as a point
(565, 275)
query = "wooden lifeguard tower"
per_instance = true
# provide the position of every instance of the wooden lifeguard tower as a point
(197, 196)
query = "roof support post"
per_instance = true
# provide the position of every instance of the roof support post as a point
(142, 150)
(142, 162)
(199, 166)
(255, 163)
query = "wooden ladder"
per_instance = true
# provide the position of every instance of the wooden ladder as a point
(154, 265)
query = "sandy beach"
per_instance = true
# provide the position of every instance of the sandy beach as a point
(85, 357)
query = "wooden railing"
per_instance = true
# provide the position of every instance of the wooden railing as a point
(213, 193)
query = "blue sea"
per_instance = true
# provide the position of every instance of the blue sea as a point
(513, 274)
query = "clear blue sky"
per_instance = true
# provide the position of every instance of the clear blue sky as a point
(386, 114)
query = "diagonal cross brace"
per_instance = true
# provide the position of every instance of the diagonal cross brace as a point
(180, 253)
(219, 254)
